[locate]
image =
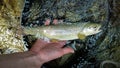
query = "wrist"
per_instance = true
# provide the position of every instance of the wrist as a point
(24, 60)
(36, 59)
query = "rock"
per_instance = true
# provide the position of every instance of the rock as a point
(10, 24)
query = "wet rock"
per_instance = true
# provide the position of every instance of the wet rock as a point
(10, 36)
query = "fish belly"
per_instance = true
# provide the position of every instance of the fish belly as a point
(61, 34)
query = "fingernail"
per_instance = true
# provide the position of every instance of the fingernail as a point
(47, 22)
(63, 42)
(55, 21)
(72, 51)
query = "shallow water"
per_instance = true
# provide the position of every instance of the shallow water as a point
(94, 49)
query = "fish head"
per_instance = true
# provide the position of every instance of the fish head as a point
(91, 28)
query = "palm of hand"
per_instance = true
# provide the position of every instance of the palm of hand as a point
(49, 51)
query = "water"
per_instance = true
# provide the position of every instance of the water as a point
(94, 49)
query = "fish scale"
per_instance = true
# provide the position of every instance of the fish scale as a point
(64, 31)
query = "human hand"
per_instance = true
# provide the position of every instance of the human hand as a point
(47, 51)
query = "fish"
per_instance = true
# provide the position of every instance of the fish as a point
(65, 31)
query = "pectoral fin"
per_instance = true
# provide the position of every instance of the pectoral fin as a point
(54, 40)
(81, 36)
(73, 45)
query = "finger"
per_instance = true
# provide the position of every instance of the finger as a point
(47, 22)
(67, 50)
(58, 43)
(39, 44)
(50, 54)
(62, 43)
(55, 21)
(63, 51)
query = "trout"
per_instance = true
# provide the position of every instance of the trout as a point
(64, 31)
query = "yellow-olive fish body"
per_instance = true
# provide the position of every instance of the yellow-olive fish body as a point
(64, 31)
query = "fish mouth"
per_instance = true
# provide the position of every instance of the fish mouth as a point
(99, 30)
